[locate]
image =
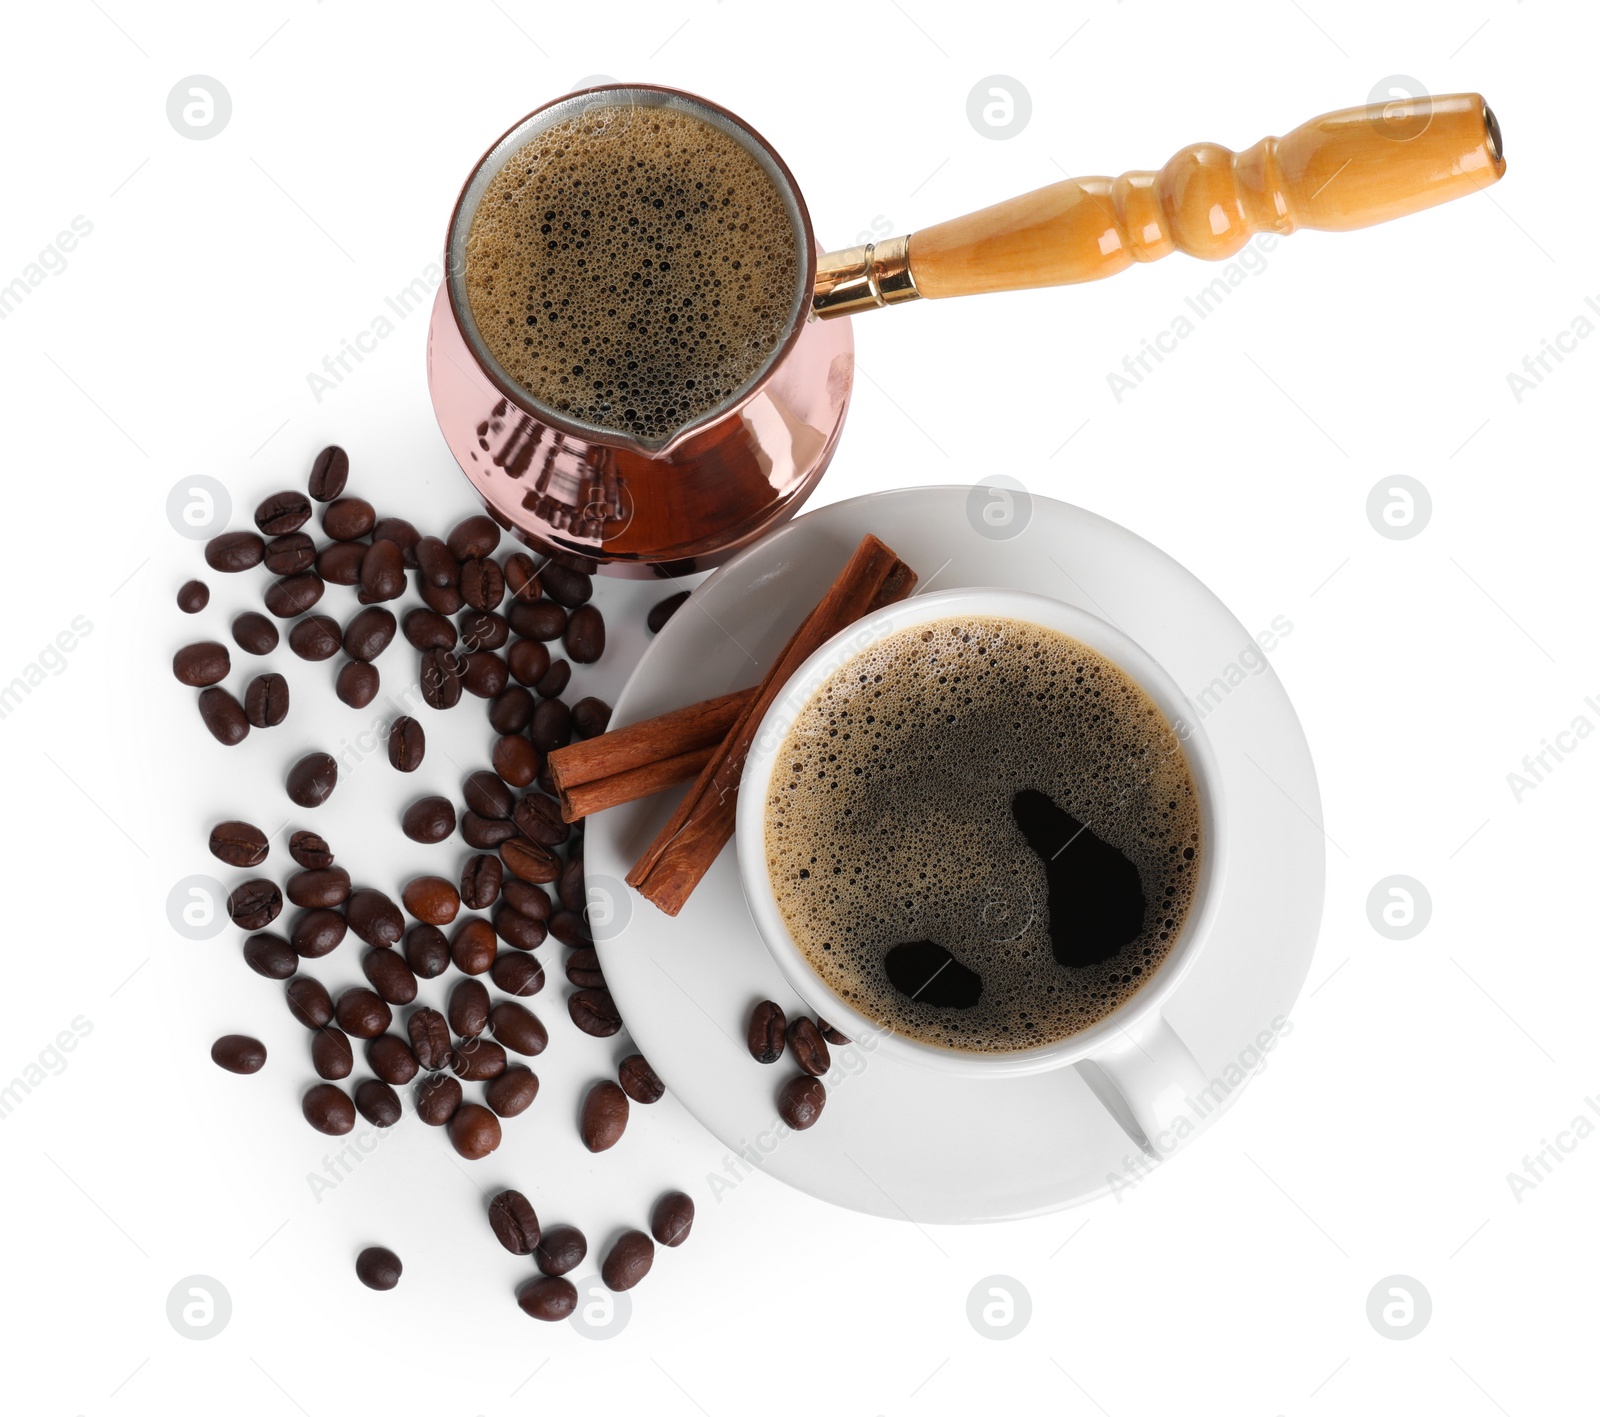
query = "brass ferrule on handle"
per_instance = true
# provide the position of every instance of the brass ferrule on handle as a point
(864, 278)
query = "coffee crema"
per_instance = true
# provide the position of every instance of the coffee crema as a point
(632, 268)
(983, 834)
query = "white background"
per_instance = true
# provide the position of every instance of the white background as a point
(178, 339)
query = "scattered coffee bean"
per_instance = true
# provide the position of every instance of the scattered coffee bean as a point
(310, 851)
(374, 917)
(474, 1131)
(518, 930)
(518, 1028)
(429, 819)
(551, 727)
(309, 1001)
(664, 610)
(431, 899)
(426, 629)
(340, 562)
(482, 583)
(513, 1092)
(809, 1049)
(356, 684)
(239, 1053)
(480, 882)
(515, 759)
(515, 1225)
(594, 1011)
(235, 551)
(328, 473)
(570, 887)
(528, 661)
(437, 566)
(548, 1299)
(800, 1101)
(468, 1008)
(311, 780)
(765, 1035)
(291, 554)
(427, 951)
(325, 887)
(487, 795)
(483, 629)
(238, 844)
(561, 1249)
(331, 1055)
(200, 664)
(512, 711)
(591, 717)
(255, 904)
(476, 536)
(383, 573)
(440, 678)
(254, 633)
(538, 818)
(377, 1102)
(282, 513)
(390, 1059)
(438, 1098)
(555, 681)
(525, 899)
(537, 619)
(224, 716)
(528, 861)
(445, 600)
(271, 956)
(639, 1080)
(628, 1260)
(478, 1060)
(329, 1109)
(407, 744)
(378, 1268)
(289, 596)
(315, 638)
(585, 636)
(348, 518)
(571, 929)
(522, 577)
(266, 700)
(517, 973)
(583, 969)
(604, 1116)
(484, 674)
(361, 1013)
(671, 1218)
(402, 533)
(390, 975)
(317, 932)
(485, 833)
(472, 947)
(369, 632)
(830, 1033)
(569, 588)
(193, 597)
(430, 1038)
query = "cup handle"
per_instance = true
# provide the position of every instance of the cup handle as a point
(1150, 1082)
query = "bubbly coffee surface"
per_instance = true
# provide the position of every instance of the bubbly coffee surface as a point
(983, 834)
(632, 267)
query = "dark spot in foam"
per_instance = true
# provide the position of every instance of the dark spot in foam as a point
(930, 974)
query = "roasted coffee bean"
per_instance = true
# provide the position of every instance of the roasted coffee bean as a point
(200, 664)
(484, 833)
(800, 1101)
(254, 633)
(431, 899)
(310, 851)
(361, 1013)
(429, 819)
(809, 1049)
(238, 844)
(522, 576)
(255, 904)
(474, 1131)
(765, 1035)
(289, 596)
(585, 637)
(356, 684)
(340, 562)
(604, 1116)
(569, 588)
(438, 567)
(538, 818)
(519, 974)
(282, 513)
(515, 759)
(374, 917)
(671, 1218)
(830, 1033)
(266, 700)
(331, 1055)
(525, 899)
(407, 744)
(518, 1028)
(482, 583)
(528, 861)
(235, 551)
(512, 711)
(549, 1300)
(537, 619)
(555, 681)
(487, 795)
(570, 887)
(378, 1268)
(271, 956)
(309, 1002)
(402, 533)
(291, 554)
(528, 660)
(390, 975)
(472, 947)
(583, 969)
(476, 536)
(483, 629)
(591, 717)
(377, 1102)
(430, 1038)
(517, 930)
(369, 633)
(480, 882)
(478, 1060)
(315, 638)
(383, 573)
(240, 1053)
(513, 1092)
(468, 1009)
(484, 674)
(328, 886)
(438, 1097)
(390, 1059)
(328, 473)
(571, 929)
(639, 1080)
(317, 932)
(193, 597)
(664, 610)
(628, 1260)
(328, 1109)
(594, 1012)
(441, 676)
(427, 629)
(427, 951)
(515, 1225)
(561, 1249)
(442, 600)
(551, 727)
(311, 780)
(348, 518)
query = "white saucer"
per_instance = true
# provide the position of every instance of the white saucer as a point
(897, 1140)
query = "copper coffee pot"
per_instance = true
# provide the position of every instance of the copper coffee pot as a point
(717, 484)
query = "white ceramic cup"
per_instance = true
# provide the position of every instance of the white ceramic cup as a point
(1132, 1059)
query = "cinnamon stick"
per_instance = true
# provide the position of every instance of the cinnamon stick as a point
(684, 849)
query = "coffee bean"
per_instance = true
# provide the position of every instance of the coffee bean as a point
(482, 583)
(639, 1080)
(569, 588)
(483, 629)
(515, 1225)
(517, 930)
(468, 1009)
(377, 1102)
(571, 929)
(429, 819)
(480, 882)
(519, 974)
(271, 956)
(472, 947)
(537, 619)
(238, 844)
(309, 1002)
(604, 1116)
(440, 678)
(518, 1028)
(310, 851)
(430, 1038)
(476, 536)
(522, 576)
(438, 1098)
(254, 633)
(240, 1053)
(235, 551)
(628, 1260)
(800, 1101)
(570, 887)
(369, 633)
(326, 887)
(402, 533)
(362, 1013)
(594, 1012)
(549, 1300)
(513, 1092)
(289, 596)
(374, 917)
(484, 674)
(442, 600)
(664, 610)
(407, 744)
(282, 513)
(555, 681)
(426, 629)
(315, 638)
(340, 562)
(830, 1033)
(551, 727)
(591, 717)
(561, 1249)
(478, 1060)
(583, 969)
(356, 684)
(328, 1109)
(488, 796)
(671, 1218)
(437, 566)
(585, 638)
(266, 700)
(200, 664)
(390, 975)
(538, 818)
(427, 951)
(515, 759)
(390, 1059)
(348, 518)
(474, 1131)
(431, 899)
(255, 904)
(328, 473)
(765, 1035)
(512, 711)
(525, 899)
(383, 572)
(378, 1268)
(311, 780)
(291, 554)
(484, 833)
(317, 932)
(809, 1049)
(528, 661)
(529, 861)
(193, 597)
(331, 1055)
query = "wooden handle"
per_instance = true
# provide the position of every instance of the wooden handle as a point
(1344, 170)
